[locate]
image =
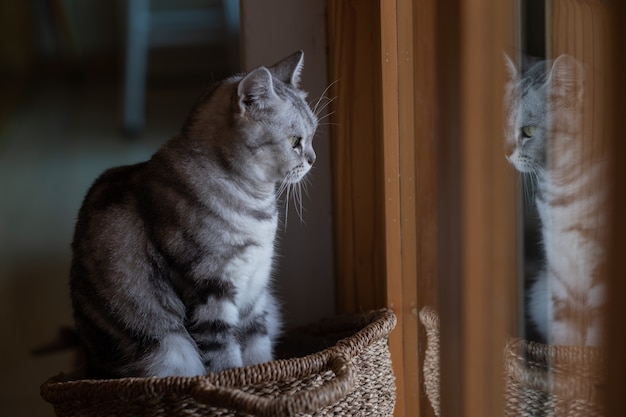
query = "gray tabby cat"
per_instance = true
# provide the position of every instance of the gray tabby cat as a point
(545, 140)
(172, 257)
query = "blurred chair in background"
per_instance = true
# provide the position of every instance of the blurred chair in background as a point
(169, 23)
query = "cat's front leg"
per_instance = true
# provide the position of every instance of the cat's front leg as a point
(258, 349)
(175, 354)
(214, 327)
(219, 356)
(259, 331)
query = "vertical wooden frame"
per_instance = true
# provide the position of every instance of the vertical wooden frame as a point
(425, 198)
(489, 207)
(408, 77)
(616, 385)
(389, 63)
(425, 214)
(391, 180)
(449, 222)
(449, 202)
(356, 150)
(478, 199)
(407, 61)
(593, 31)
(433, 171)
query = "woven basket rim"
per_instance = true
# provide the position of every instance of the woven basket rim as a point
(575, 372)
(542, 375)
(377, 324)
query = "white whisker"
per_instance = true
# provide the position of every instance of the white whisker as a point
(529, 189)
(293, 194)
(281, 188)
(322, 96)
(330, 124)
(287, 203)
(305, 185)
(297, 200)
(327, 115)
(321, 109)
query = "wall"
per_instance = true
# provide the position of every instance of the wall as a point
(271, 30)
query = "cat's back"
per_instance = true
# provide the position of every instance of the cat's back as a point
(108, 222)
(113, 191)
(112, 188)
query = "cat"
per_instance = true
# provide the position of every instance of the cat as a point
(172, 257)
(545, 141)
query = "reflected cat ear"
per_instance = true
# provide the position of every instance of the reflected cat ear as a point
(510, 67)
(255, 87)
(288, 70)
(567, 77)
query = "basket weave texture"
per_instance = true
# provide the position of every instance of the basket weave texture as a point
(540, 380)
(352, 377)
(551, 380)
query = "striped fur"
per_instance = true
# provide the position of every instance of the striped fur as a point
(567, 171)
(172, 258)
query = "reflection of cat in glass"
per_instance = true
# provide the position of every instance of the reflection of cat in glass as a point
(545, 142)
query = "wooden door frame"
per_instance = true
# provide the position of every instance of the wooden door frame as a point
(392, 156)
(414, 167)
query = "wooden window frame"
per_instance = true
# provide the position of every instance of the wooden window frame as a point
(424, 201)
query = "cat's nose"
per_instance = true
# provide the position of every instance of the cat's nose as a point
(310, 157)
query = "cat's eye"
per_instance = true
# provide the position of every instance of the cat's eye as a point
(294, 141)
(528, 131)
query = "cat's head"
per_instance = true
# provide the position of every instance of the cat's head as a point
(265, 127)
(280, 123)
(534, 101)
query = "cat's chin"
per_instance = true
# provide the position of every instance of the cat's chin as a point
(520, 164)
(523, 168)
(296, 179)
(296, 175)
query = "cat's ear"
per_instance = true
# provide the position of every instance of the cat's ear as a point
(567, 77)
(511, 69)
(255, 88)
(288, 70)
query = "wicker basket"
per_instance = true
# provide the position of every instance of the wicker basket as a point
(430, 321)
(550, 380)
(540, 380)
(352, 377)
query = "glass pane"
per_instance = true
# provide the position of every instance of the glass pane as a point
(556, 139)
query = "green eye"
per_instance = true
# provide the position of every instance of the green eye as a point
(294, 141)
(528, 131)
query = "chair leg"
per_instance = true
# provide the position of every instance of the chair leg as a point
(231, 16)
(137, 33)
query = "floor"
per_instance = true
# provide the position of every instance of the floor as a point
(60, 134)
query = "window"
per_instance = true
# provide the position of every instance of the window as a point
(426, 205)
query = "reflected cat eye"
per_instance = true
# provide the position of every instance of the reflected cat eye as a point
(528, 131)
